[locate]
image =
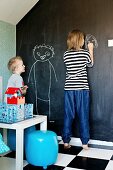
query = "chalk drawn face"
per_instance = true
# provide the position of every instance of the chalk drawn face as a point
(43, 53)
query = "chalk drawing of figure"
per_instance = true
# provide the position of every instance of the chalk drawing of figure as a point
(90, 39)
(41, 74)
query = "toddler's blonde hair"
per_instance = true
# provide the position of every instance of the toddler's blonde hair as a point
(12, 64)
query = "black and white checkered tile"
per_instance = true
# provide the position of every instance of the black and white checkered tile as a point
(77, 158)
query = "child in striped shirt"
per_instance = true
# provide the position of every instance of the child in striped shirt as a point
(76, 90)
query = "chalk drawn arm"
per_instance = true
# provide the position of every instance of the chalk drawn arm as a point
(32, 67)
(53, 70)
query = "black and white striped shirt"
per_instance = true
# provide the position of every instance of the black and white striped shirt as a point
(76, 73)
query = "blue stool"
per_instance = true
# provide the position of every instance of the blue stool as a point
(41, 148)
(12, 137)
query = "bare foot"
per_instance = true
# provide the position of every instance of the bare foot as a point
(85, 147)
(67, 146)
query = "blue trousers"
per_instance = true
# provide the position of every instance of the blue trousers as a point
(76, 102)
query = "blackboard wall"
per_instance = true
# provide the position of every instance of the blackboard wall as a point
(49, 23)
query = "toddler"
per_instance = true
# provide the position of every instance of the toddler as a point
(16, 66)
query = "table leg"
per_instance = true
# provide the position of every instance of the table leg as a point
(43, 125)
(5, 135)
(19, 149)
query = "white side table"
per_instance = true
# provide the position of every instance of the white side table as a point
(19, 127)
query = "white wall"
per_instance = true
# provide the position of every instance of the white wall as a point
(7, 49)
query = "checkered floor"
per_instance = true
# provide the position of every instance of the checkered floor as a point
(76, 158)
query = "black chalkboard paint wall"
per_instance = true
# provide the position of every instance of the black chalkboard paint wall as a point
(49, 23)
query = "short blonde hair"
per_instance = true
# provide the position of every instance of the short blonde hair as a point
(75, 40)
(12, 64)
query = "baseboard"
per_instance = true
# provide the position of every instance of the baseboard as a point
(77, 142)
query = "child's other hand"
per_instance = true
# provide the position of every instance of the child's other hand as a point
(24, 89)
(90, 46)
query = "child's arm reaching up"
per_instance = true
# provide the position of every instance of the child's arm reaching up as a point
(90, 48)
